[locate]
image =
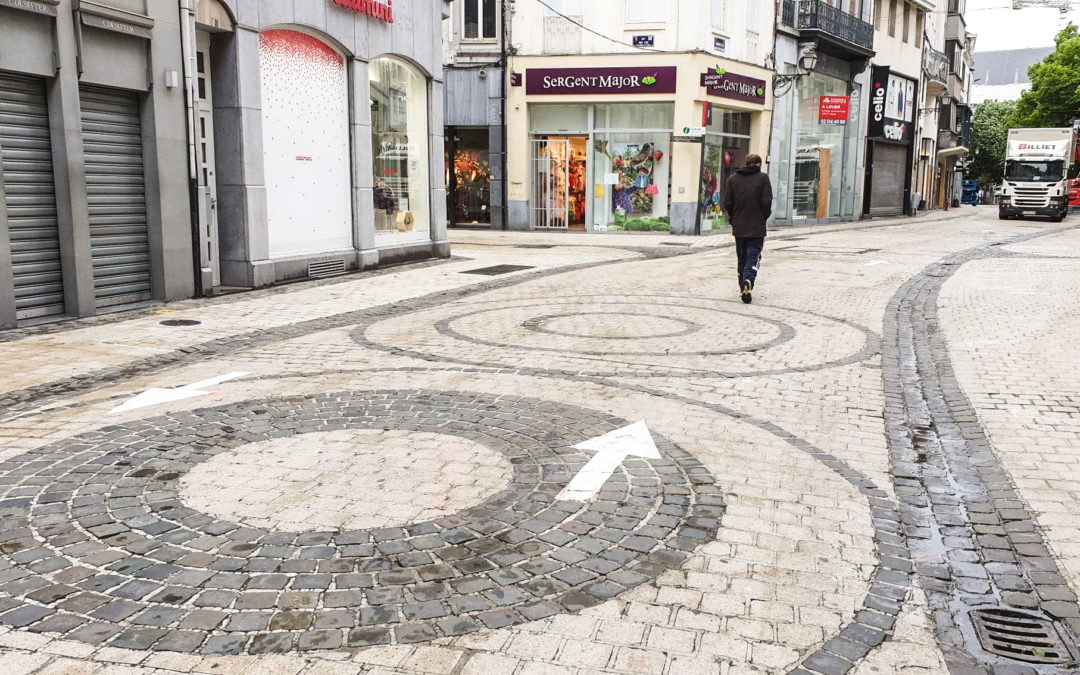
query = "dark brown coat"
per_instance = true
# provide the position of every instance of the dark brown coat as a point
(748, 201)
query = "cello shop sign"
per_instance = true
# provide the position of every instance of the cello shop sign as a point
(892, 106)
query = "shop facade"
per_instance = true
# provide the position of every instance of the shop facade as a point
(629, 143)
(475, 89)
(890, 134)
(94, 201)
(318, 137)
(818, 148)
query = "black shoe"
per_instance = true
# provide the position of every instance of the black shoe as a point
(746, 288)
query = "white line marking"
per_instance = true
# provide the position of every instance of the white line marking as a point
(611, 449)
(157, 396)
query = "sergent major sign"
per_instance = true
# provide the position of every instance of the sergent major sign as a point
(379, 10)
(720, 82)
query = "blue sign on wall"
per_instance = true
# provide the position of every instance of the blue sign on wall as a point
(644, 40)
(719, 44)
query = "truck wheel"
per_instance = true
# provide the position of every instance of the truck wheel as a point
(1002, 216)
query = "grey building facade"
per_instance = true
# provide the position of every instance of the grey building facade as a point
(325, 129)
(474, 58)
(153, 150)
(818, 154)
(94, 201)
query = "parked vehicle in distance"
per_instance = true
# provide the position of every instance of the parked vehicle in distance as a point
(1039, 164)
(970, 195)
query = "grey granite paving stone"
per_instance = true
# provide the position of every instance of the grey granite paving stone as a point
(211, 564)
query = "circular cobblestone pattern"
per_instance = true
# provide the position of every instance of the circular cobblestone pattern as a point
(350, 479)
(609, 336)
(98, 543)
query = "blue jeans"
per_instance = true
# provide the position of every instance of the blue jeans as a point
(748, 250)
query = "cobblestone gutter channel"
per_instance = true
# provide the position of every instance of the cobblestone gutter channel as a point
(973, 539)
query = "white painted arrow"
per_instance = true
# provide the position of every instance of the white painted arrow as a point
(611, 449)
(157, 396)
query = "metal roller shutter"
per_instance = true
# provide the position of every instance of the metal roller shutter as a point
(887, 180)
(30, 197)
(116, 195)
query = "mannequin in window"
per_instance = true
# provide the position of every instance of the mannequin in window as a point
(385, 205)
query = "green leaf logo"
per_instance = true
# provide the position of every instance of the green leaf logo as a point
(720, 71)
(760, 91)
(649, 79)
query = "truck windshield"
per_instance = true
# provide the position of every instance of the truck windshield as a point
(1032, 172)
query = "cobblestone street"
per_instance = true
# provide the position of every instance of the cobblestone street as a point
(439, 469)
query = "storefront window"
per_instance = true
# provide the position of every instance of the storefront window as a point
(631, 183)
(399, 130)
(602, 167)
(640, 116)
(469, 177)
(727, 143)
(851, 189)
(782, 112)
(819, 156)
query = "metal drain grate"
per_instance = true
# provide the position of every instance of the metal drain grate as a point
(498, 269)
(1018, 635)
(326, 268)
(180, 322)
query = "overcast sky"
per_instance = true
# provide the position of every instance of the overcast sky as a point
(997, 26)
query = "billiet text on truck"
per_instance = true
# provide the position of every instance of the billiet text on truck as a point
(1039, 165)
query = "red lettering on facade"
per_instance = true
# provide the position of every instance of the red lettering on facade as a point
(384, 12)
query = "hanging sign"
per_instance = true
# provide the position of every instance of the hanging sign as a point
(656, 80)
(892, 106)
(379, 10)
(721, 82)
(833, 109)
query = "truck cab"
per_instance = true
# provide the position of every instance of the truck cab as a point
(1039, 165)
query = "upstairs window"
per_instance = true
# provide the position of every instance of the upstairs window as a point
(574, 8)
(718, 7)
(481, 19)
(642, 11)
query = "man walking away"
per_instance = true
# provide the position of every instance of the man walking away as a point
(748, 203)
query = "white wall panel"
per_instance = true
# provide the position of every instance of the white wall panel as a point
(306, 144)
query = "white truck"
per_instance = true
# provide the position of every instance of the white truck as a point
(1038, 166)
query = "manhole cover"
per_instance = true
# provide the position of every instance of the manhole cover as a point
(180, 322)
(498, 269)
(1021, 636)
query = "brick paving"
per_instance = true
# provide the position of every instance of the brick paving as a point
(377, 493)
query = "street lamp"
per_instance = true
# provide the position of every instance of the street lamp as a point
(807, 62)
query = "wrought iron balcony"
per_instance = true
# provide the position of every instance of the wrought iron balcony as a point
(935, 65)
(833, 28)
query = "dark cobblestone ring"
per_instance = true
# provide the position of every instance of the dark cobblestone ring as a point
(97, 545)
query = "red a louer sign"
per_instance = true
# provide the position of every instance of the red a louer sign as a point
(833, 109)
(371, 8)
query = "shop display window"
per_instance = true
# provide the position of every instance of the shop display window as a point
(399, 130)
(601, 167)
(727, 143)
(468, 177)
(631, 184)
(819, 155)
